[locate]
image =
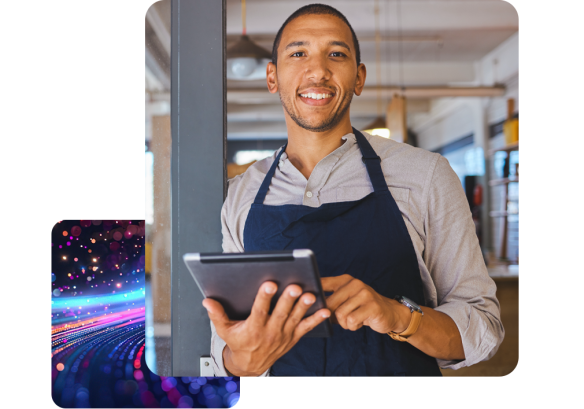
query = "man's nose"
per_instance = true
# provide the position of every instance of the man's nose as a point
(317, 69)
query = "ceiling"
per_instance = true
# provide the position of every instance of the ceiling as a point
(424, 43)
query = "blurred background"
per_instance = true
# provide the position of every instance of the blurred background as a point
(442, 76)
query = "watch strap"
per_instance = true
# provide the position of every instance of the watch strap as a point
(410, 330)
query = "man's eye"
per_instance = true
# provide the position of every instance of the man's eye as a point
(298, 54)
(337, 54)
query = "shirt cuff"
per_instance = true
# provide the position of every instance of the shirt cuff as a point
(217, 346)
(481, 336)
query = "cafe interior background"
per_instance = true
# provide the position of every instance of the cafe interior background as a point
(442, 76)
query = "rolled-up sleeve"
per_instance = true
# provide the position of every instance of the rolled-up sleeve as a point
(464, 290)
(217, 344)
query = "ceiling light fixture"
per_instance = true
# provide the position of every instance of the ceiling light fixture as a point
(379, 126)
(245, 59)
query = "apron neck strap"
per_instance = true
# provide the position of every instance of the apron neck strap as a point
(261, 195)
(370, 158)
(372, 162)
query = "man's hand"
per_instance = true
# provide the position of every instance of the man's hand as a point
(255, 344)
(354, 304)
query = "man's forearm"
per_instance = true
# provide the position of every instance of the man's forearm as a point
(437, 335)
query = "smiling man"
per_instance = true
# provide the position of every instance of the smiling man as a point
(389, 224)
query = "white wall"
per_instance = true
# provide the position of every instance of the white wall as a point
(452, 118)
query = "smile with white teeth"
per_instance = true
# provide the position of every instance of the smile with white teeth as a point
(316, 96)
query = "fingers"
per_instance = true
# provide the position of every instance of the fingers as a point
(300, 309)
(217, 314)
(309, 323)
(352, 303)
(284, 306)
(331, 284)
(343, 293)
(261, 305)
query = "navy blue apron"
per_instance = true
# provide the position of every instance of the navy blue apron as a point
(365, 238)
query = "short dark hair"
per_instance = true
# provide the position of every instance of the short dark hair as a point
(315, 9)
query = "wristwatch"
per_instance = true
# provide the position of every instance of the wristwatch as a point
(417, 314)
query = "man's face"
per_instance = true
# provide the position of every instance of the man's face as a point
(317, 72)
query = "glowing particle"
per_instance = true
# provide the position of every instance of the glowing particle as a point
(65, 233)
(68, 243)
(88, 278)
(69, 275)
(64, 257)
(94, 260)
(94, 268)
(118, 285)
(60, 367)
(89, 251)
(75, 259)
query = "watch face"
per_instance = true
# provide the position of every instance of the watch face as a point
(411, 304)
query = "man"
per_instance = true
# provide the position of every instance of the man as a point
(383, 219)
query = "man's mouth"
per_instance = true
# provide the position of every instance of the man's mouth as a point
(316, 98)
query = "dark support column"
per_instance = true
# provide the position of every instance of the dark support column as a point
(198, 123)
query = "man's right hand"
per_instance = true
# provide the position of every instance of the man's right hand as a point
(255, 344)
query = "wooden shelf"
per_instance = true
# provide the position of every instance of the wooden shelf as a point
(504, 181)
(502, 214)
(508, 148)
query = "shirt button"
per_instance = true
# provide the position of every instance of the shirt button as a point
(308, 194)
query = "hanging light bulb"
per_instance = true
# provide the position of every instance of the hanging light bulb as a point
(245, 59)
(378, 127)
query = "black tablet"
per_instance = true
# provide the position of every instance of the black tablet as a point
(234, 279)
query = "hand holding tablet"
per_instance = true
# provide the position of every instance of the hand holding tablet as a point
(255, 344)
(261, 304)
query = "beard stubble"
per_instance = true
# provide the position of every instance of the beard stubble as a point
(325, 125)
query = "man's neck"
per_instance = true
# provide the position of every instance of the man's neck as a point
(305, 148)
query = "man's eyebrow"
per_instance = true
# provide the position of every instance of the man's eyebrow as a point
(297, 44)
(307, 43)
(340, 43)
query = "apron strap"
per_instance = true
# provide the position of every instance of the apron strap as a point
(372, 162)
(261, 195)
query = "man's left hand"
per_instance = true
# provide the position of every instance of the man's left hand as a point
(354, 304)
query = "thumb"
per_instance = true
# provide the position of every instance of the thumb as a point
(216, 313)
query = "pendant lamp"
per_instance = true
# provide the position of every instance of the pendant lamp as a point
(245, 59)
(378, 127)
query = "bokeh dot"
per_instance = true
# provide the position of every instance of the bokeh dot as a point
(75, 231)
(118, 236)
(56, 292)
(65, 233)
(60, 367)
(231, 386)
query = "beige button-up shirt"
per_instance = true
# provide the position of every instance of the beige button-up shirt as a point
(436, 213)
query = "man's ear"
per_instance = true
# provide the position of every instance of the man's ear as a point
(272, 78)
(360, 83)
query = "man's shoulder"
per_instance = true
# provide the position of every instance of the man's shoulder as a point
(402, 154)
(252, 178)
